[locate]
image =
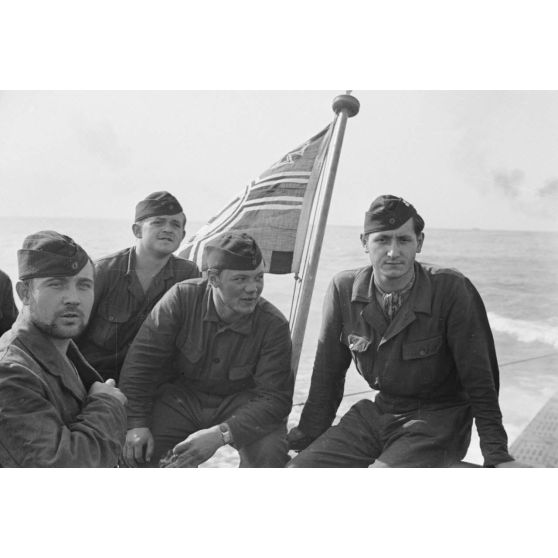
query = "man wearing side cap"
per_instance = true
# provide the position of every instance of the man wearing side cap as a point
(231, 352)
(419, 335)
(55, 410)
(129, 283)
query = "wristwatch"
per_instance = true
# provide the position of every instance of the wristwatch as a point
(225, 432)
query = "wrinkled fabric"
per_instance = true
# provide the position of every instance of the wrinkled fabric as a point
(47, 418)
(8, 309)
(438, 349)
(184, 337)
(121, 306)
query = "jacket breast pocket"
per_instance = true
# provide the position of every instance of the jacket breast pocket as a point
(104, 327)
(423, 348)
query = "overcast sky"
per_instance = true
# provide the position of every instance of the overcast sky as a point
(465, 159)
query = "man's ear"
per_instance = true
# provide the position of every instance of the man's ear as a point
(22, 290)
(136, 229)
(364, 240)
(212, 278)
(419, 242)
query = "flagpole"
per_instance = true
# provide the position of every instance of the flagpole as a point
(345, 107)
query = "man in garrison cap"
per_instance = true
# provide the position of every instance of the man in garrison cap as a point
(130, 282)
(8, 309)
(230, 352)
(55, 410)
(420, 337)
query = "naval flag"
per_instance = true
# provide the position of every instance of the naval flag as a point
(274, 209)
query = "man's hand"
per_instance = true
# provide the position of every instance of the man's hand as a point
(138, 447)
(512, 464)
(298, 440)
(109, 387)
(197, 448)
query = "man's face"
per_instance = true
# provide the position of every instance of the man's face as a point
(161, 234)
(60, 306)
(392, 253)
(236, 292)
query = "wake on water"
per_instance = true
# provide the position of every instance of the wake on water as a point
(524, 330)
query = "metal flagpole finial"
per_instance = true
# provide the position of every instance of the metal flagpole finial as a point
(346, 103)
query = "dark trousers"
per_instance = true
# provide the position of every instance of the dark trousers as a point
(431, 437)
(179, 412)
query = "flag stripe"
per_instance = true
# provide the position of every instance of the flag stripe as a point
(270, 207)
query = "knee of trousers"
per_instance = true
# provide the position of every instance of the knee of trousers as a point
(269, 451)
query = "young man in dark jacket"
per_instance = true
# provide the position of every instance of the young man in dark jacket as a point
(230, 352)
(420, 336)
(130, 282)
(55, 410)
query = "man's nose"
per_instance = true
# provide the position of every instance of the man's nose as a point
(71, 295)
(251, 286)
(392, 249)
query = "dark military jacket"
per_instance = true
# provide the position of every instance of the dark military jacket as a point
(185, 333)
(438, 349)
(47, 418)
(121, 306)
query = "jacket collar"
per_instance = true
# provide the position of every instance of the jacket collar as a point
(167, 271)
(244, 326)
(420, 300)
(41, 348)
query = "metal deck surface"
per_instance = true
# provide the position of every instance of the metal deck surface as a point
(537, 445)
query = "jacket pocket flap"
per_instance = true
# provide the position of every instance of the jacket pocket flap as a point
(113, 314)
(422, 349)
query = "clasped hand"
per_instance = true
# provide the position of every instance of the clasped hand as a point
(195, 449)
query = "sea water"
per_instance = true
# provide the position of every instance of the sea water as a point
(515, 272)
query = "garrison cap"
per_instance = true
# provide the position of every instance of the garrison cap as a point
(233, 250)
(157, 203)
(50, 254)
(389, 212)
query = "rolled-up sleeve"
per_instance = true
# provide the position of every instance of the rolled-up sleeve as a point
(273, 392)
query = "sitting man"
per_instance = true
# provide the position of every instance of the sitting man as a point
(231, 352)
(129, 283)
(55, 410)
(8, 309)
(420, 336)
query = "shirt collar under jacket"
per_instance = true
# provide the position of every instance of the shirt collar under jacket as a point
(420, 298)
(168, 269)
(243, 326)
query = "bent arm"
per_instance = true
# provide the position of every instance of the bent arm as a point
(330, 368)
(472, 346)
(273, 393)
(149, 354)
(33, 434)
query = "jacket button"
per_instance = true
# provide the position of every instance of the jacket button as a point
(216, 360)
(422, 352)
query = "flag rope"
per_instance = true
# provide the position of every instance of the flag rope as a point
(500, 365)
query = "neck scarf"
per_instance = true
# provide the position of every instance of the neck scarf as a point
(392, 302)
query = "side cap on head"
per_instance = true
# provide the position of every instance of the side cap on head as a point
(50, 254)
(157, 203)
(389, 212)
(233, 250)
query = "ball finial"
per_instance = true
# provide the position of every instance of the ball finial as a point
(348, 103)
